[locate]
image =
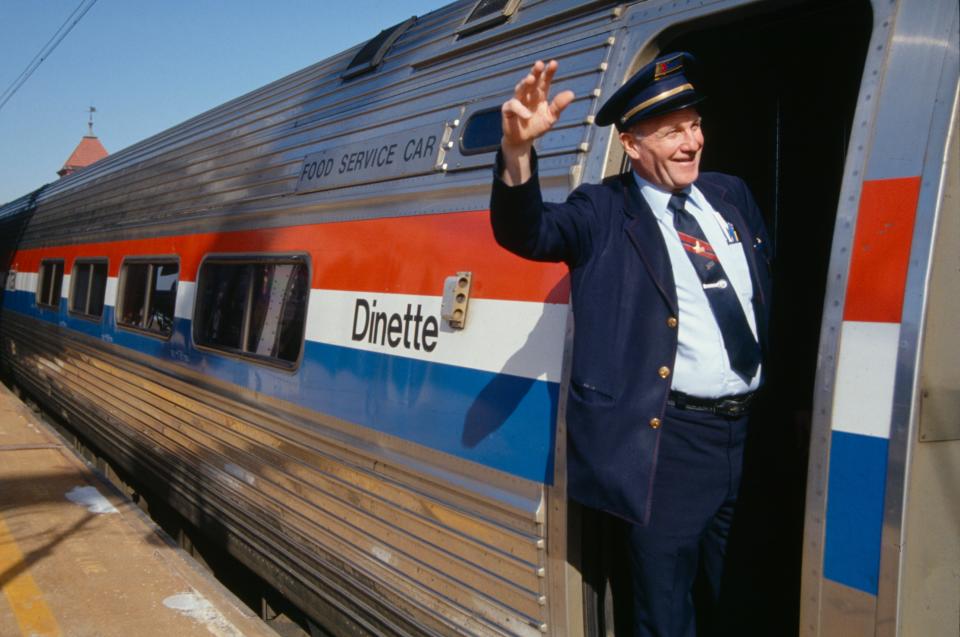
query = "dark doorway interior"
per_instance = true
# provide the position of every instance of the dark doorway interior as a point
(782, 87)
(782, 92)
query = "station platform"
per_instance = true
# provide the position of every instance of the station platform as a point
(77, 559)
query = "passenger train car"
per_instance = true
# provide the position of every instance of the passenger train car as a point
(288, 317)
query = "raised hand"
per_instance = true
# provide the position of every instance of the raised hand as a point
(528, 115)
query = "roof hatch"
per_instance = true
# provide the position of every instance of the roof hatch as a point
(371, 55)
(486, 14)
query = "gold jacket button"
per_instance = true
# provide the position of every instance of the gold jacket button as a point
(664, 372)
(654, 423)
(672, 321)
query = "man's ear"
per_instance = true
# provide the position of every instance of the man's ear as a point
(629, 143)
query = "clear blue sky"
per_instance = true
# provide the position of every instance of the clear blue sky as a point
(148, 65)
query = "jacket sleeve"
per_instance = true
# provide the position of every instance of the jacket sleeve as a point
(531, 228)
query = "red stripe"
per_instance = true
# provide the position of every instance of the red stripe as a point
(881, 250)
(406, 255)
(705, 255)
(690, 245)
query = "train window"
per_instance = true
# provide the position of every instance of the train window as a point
(50, 283)
(253, 307)
(148, 295)
(487, 14)
(89, 285)
(482, 132)
(372, 53)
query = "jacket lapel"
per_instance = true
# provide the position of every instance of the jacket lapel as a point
(646, 237)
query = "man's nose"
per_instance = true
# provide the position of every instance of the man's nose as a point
(691, 141)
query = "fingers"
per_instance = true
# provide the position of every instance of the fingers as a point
(543, 76)
(560, 102)
(526, 89)
(546, 77)
(515, 108)
(522, 90)
(530, 113)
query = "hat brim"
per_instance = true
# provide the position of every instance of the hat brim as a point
(678, 103)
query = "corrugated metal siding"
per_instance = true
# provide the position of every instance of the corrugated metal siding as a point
(244, 157)
(398, 548)
(318, 506)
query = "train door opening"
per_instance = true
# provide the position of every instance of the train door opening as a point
(782, 86)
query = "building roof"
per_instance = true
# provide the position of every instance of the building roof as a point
(87, 151)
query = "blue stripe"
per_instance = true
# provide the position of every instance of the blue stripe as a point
(858, 474)
(498, 420)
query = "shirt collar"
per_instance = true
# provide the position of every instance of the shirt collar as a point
(657, 198)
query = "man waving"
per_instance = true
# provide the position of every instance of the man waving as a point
(670, 280)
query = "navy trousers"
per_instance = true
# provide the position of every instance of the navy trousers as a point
(696, 483)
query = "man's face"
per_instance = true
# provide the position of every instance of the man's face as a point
(665, 150)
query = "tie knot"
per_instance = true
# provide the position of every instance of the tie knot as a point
(677, 202)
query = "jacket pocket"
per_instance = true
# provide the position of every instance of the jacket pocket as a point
(589, 393)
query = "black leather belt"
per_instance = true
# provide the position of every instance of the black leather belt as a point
(725, 406)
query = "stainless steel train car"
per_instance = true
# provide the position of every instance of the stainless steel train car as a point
(289, 318)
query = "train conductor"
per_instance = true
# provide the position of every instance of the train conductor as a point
(670, 277)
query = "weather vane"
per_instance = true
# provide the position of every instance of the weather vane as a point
(91, 110)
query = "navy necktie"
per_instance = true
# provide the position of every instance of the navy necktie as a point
(741, 346)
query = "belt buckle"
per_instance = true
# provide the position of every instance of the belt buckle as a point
(729, 407)
(732, 407)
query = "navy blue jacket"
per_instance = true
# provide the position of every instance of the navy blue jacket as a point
(625, 314)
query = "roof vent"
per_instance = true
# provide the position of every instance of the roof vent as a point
(372, 53)
(487, 14)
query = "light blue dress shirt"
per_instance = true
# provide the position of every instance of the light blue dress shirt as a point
(702, 367)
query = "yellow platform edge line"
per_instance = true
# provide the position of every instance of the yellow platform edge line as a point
(24, 596)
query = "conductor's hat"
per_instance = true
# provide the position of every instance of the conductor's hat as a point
(662, 86)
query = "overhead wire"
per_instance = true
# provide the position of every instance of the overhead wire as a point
(47, 49)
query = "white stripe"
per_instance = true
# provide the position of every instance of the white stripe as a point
(520, 338)
(513, 337)
(27, 281)
(865, 377)
(110, 292)
(185, 295)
